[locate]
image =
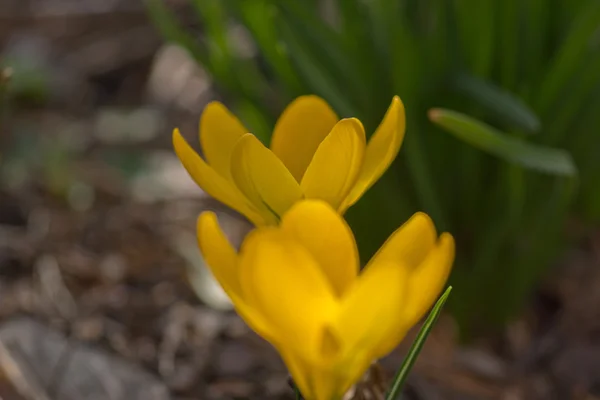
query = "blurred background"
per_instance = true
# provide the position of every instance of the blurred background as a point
(103, 293)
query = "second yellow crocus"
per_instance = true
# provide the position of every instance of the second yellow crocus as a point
(298, 285)
(313, 154)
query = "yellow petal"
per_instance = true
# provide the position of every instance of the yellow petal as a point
(350, 377)
(222, 260)
(424, 285)
(218, 253)
(336, 163)
(381, 151)
(372, 313)
(325, 384)
(301, 128)
(315, 382)
(427, 280)
(263, 178)
(410, 243)
(285, 284)
(211, 182)
(219, 132)
(299, 371)
(328, 238)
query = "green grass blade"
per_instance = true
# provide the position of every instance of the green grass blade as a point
(397, 52)
(536, 18)
(259, 17)
(546, 242)
(168, 25)
(498, 224)
(475, 28)
(326, 48)
(498, 101)
(583, 86)
(318, 78)
(416, 347)
(241, 74)
(492, 141)
(509, 27)
(211, 57)
(406, 60)
(583, 143)
(356, 33)
(378, 14)
(569, 56)
(255, 119)
(220, 56)
(420, 171)
(437, 41)
(214, 18)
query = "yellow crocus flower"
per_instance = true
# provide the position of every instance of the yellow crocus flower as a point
(298, 286)
(313, 154)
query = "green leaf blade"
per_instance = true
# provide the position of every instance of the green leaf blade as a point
(168, 25)
(317, 77)
(488, 139)
(259, 17)
(475, 30)
(569, 56)
(498, 101)
(416, 347)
